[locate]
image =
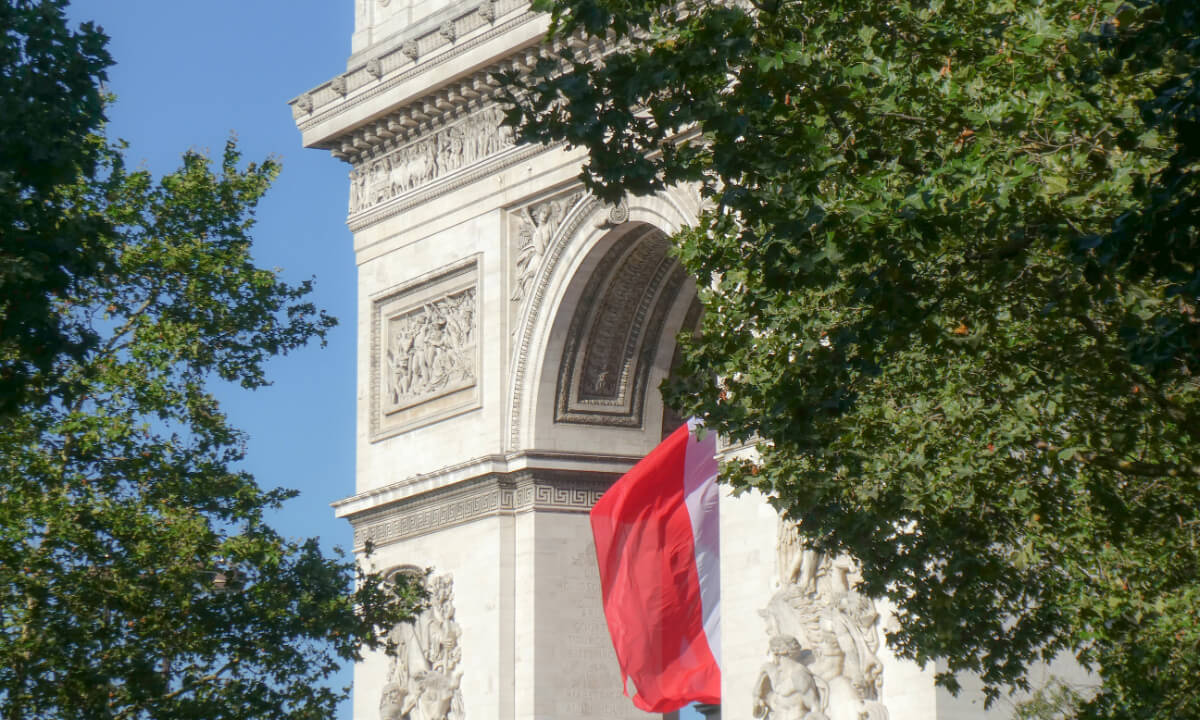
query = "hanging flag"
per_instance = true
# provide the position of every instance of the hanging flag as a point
(657, 543)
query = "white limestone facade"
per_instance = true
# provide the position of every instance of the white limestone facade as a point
(512, 334)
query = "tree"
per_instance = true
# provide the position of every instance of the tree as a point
(950, 285)
(138, 577)
(50, 102)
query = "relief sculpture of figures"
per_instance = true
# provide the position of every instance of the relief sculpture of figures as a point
(431, 349)
(378, 179)
(423, 681)
(824, 640)
(537, 228)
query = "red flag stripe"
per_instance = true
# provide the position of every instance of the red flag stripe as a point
(653, 602)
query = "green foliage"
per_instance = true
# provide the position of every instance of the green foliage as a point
(50, 102)
(1053, 701)
(952, 252)
(138, 578)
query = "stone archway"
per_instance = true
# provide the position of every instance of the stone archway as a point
(594, 333)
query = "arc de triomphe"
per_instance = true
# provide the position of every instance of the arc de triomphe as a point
(512, 333)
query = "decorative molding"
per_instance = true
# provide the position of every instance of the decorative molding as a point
(431, 512)
(411, 50)
(377, 180)
(479, 498)
(442, 186)
(615, 332)
(544, 461)
(617, 215)
(425, 350)
(487, 11)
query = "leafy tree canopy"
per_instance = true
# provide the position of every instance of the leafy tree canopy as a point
(138, 578)
(951, 283)
(50, 102)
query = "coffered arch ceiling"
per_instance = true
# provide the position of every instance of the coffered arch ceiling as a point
(616, 331)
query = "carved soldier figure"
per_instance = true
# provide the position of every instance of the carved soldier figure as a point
(423, 682)
(786, 689)
(816, 603)
(504, 133)
(400, 360)
(798, 563)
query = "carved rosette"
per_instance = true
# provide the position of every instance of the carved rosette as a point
(425, 350)
(824, 640)
(424, 680)
(617, 215)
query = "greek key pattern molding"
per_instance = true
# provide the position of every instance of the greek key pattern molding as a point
(483, 497)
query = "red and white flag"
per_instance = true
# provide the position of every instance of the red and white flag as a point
(658, 546)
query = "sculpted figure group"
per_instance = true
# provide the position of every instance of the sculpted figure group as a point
(423, 682)
(824, 641)
(432, 349)
(474, 138)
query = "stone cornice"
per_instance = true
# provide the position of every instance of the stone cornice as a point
(488, 465)
(441, 104)
(477, 498)
(417, 55)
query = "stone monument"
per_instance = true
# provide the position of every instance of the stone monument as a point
(512, 334)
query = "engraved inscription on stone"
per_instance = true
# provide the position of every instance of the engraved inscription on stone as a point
(425, 350)
(424, 679)
(378, 179)
(431, 350)
(585, 647)
(824, 640)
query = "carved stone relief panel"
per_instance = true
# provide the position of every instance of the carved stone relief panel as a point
(531, 230)
(824, 640)
(378, 179)
(425, 350)
(615, 332)
(424, 679)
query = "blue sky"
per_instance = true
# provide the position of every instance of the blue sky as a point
(190, 74)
